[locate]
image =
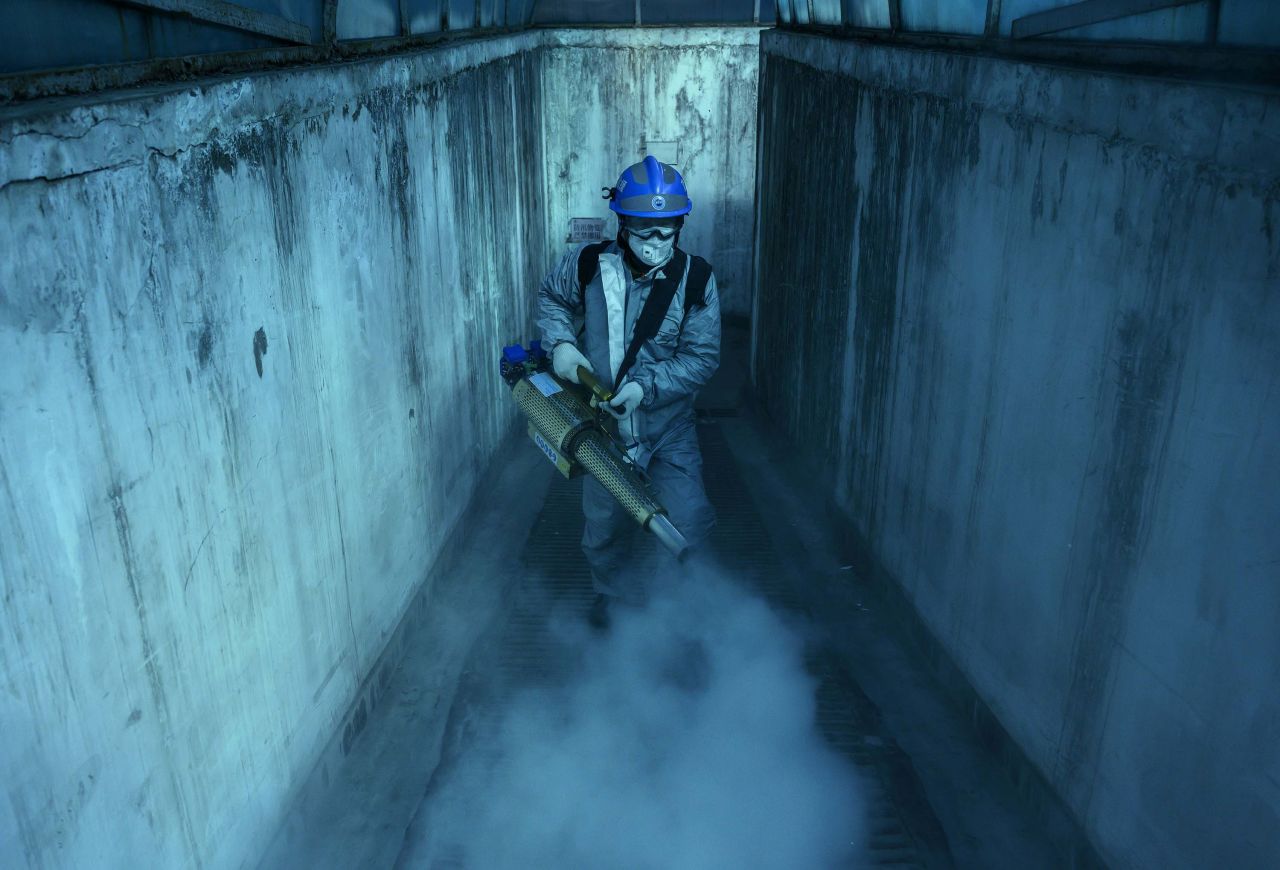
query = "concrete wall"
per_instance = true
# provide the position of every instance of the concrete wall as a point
(248, 330)
(689, 95)
(1028, 319)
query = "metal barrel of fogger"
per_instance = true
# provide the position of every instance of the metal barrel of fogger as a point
(566, 423)
(667, 534)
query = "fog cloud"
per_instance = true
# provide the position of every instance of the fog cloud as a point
(684, 738)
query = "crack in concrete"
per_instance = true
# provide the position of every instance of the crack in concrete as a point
(68, 137)
(71, 176)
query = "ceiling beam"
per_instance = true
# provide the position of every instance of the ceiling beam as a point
(1086, 13)
(329, 24)
(991, 29)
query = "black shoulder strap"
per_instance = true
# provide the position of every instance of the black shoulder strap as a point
(695, 289)
(589, 263)
(655, 309)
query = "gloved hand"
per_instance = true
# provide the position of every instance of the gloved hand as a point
(565, 359)
(625, 401)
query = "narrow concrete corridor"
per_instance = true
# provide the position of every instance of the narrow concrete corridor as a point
(928, 792)
(993, 442)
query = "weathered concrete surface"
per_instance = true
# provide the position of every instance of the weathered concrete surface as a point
(613, 95)
(1028, 318)
(356, 807)
(248, 329)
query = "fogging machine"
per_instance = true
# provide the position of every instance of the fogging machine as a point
(571, 433)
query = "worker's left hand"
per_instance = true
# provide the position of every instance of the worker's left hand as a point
(625, 401)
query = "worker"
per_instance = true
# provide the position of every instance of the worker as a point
(650, 332)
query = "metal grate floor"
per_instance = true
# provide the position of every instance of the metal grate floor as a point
(901, 828)
(902, 831)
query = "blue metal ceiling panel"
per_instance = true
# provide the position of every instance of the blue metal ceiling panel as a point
(943, 16)
(425, 16)
(368, 19)
(1178, 24)
(582, 12)
(683, 12)
(1250, 22)
(50, 34)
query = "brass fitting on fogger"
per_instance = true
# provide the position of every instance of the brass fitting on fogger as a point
(591, 382)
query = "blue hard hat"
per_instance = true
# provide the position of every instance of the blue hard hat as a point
(649, 189)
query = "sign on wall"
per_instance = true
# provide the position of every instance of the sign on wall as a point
(666, 150)
(585, 229)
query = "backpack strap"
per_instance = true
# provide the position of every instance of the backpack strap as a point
(695, 289)
(694, 270)
(655, 309)
(589, 264)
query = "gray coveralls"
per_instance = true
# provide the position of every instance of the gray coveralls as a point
(661, 435)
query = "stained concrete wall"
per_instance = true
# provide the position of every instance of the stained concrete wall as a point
(1027, 319)
(686, 95)
(248, 330)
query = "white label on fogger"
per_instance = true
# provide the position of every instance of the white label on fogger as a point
(545, 383)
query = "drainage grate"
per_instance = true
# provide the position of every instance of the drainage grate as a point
(901, 827)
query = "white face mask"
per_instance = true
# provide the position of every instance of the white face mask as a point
(652, 252)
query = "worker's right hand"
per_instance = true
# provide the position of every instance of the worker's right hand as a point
(565, 359)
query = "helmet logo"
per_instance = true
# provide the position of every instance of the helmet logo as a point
(659, 202)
